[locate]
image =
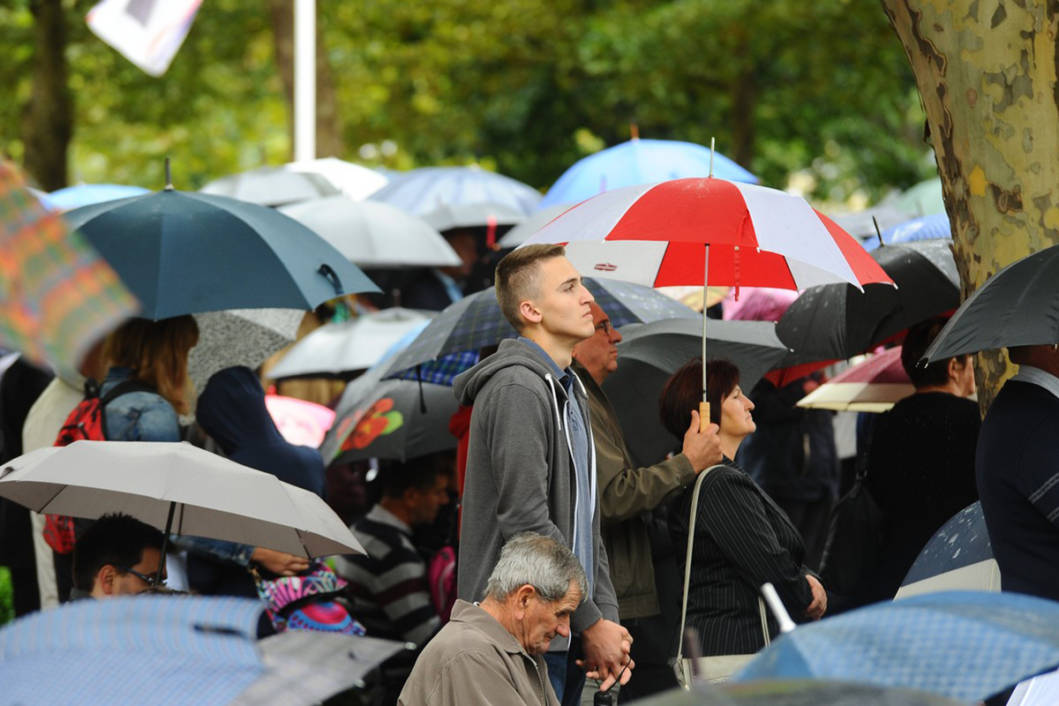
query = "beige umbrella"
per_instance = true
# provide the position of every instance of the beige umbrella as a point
(179, 488)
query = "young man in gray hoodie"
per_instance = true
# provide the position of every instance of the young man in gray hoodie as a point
(531, 462)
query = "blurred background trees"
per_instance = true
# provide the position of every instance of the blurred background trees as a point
(821, 91)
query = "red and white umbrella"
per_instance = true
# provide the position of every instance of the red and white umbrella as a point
(654, 234)
(707, 230)
(874, 385)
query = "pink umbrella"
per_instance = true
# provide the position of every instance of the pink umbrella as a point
(874, 385)
(300, 422)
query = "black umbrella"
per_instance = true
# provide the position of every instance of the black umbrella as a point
(835, 321)
(1018, 306)
(650, 353)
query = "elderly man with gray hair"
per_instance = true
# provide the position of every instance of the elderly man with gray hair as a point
(492, 652)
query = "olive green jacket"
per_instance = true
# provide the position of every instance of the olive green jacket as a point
(625, 493)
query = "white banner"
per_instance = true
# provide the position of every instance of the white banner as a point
(147, 32)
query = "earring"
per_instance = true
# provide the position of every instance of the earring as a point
(1055, 347)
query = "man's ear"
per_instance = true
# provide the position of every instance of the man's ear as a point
(523, 595)
(105, 578)
(529, 312)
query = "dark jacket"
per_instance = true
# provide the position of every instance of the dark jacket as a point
(626, 492)
(742, 540)
(520, 476)
(1017, 465)
(921, 473)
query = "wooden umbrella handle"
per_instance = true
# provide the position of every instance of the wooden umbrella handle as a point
(704, 416)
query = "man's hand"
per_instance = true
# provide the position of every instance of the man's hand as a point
(606, 646)
(703, 448)
(818, 607)
(279, 562)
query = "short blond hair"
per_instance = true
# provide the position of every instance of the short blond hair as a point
(516, 278)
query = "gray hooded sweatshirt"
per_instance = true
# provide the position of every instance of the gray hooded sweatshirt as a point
(520, 476)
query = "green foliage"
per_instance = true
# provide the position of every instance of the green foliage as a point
(523, 86)
(7, 596)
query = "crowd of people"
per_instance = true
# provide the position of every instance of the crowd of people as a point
(565, 570)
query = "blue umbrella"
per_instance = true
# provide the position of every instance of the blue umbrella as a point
(959, 555)
(79, 195)
(184, 252)
(966, 645)
(932, 227)
(639, 162)
(420, 192)
(142, 649)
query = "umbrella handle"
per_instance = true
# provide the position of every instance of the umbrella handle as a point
(704, 416)
(331, 276)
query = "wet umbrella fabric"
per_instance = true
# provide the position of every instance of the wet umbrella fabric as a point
(966, 645)
(355, 181)
(518, 235)
(374, 234)
(640, 162)
(873, 385)
(932, 227)
(178, 487)
(239, 337)
(650, 353)
(184, 252)
(796, 692)
(476, 321)
(271, 186)
(837, 321)
(1018, 306)
(958, 557)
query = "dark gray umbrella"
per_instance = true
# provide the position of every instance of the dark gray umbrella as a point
(835, 321)
(796, 692)
(650, 353)
(958, 556)
(1018, 306)
(187, 253)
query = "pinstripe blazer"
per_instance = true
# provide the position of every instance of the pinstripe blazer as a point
(742, 540)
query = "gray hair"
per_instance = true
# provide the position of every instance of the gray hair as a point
(539, 561)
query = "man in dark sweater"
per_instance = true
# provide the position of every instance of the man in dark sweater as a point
(1017, 468)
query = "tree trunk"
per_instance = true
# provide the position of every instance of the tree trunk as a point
(47, 123)
(986, 71)
(328, 125)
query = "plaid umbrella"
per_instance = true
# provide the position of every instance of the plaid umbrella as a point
(475, 322)
(58, 295)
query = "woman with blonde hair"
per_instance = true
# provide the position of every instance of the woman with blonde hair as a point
(147, 378)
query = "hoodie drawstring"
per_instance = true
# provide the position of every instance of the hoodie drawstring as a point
(555, 400)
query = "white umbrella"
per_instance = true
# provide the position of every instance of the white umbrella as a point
(350, 345)
(179, 488)
(374, 234)
(353, 180)
(517, 235)
(473, 215)
(271, 186)
(239, 337)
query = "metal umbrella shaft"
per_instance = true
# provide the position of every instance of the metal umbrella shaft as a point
(704, 405)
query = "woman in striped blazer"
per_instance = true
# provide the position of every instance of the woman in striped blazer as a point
(742, 538)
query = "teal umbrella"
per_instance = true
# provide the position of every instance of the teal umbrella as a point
(184, 252)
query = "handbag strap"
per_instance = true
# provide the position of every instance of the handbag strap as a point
(687, 569)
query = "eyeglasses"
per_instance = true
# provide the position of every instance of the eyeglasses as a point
(151, 581)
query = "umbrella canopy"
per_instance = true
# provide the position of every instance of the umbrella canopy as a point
(1015, 307)
(476, 321)
(836, 321)
(239, 337)
(353, 180)
(518, 235)
(79, 195)
(757, 237)
(356, 344)
(271, 186)
(59, 297)
(301, 422)
(651, 352)
(966, 645)
(923, 199)
(933, 227)
(795, 692)
(861, 224)
(640, 162)
(421, 191)
(183, 253)
(873, 385)
(396, 419)
(473, 215)
(373, 234)
(958, 556)
(201, 494)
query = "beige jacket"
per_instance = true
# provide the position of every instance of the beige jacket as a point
(475, 660)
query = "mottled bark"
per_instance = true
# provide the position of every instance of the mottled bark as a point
(47, 123)
(328, 124)
(986, 71)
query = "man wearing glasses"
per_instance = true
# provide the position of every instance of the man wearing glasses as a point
(117, 556)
